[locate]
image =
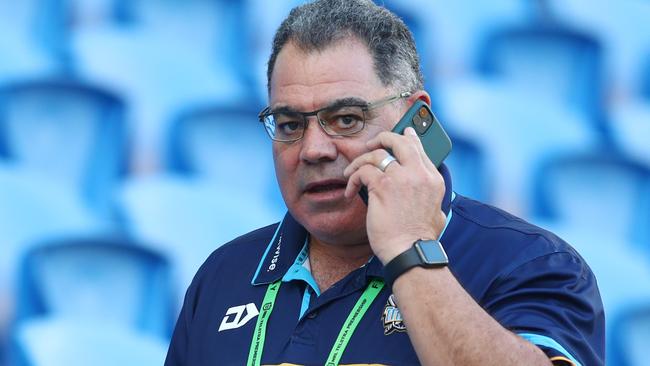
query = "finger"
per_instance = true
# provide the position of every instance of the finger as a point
(410, 133)
(374, 157)
(400, 145)
(364, 176)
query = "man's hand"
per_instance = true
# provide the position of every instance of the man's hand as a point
(404, 201)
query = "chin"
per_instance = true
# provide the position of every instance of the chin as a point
(334, 225)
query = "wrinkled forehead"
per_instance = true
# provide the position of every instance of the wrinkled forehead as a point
(309, 80)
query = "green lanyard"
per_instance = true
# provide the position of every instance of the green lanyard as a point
(351, 323)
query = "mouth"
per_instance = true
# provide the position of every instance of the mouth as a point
(325, 186)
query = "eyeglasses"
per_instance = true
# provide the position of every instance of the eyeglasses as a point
(343, 118)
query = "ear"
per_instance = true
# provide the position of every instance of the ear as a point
(422, 95)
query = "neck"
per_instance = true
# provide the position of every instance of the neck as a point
(330, 263)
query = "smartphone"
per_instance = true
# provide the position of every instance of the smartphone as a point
(434, 139)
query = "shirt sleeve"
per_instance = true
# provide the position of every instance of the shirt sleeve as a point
(553, 302)
(176, 354)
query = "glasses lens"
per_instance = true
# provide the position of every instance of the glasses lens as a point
(285, 126)
(269, 125)
(342, 121)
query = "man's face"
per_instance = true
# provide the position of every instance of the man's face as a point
(310, 171)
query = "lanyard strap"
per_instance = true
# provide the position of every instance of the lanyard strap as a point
(350, 325)
(353, 320)
(257, 344)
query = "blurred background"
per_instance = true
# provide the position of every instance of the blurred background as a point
(130, 150)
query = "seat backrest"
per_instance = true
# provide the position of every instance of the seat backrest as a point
(58, 342)
(227, 145)
(555, 62)
(468, 168)
(97, 279)
(67, 131)
(597, 190)
(631, 336)
(32, 210)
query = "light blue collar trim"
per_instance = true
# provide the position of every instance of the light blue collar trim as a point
(306, 299)
(545, 341)
(300, 270)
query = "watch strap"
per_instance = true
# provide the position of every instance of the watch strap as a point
(415, 256)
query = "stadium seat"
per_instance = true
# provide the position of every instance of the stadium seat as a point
(225, 145)
(67, 131)
(515, 131)
(97, 280)
(219, 183)
(553, 62)
(631, 129)
(595, 190)
(617, 27)
(53, 341)
(30, 211)
(468, 169)
(631, 336)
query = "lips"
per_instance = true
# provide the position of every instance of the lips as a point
(325, 186)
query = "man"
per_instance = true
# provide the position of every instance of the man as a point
(324, 287)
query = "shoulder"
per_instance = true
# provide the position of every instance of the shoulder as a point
(506, 242)
(500, 227)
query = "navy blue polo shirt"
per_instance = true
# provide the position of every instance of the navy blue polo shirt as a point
(528, 279)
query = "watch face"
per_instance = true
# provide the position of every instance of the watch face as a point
(431, 252)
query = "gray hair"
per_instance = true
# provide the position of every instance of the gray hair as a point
(317, 25)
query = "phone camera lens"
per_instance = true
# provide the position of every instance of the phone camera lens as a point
(422, 120)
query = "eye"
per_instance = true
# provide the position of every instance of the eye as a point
(288, 126)
(345, 119)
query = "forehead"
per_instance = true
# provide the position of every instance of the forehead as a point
(311, 80)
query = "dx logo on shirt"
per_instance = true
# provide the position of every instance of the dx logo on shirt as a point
(238, 316)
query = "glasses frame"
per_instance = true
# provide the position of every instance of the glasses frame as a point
(266, 112)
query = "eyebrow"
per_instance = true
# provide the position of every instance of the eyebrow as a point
(338, 103)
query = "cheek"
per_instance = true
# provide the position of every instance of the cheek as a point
(285, 162)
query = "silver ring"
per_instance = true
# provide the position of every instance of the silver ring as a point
(386, 162)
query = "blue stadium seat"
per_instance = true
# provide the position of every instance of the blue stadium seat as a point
(554, 62)
(631, 336)
(631, 129)
(468, 168)
(219, 183)
(56, 341)
(32, 210)
(67, 131)
(35, 31)
(226, 145)
(595, 190)
(97, 280)
(515, 131)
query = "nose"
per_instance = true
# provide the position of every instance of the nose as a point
(317, 146)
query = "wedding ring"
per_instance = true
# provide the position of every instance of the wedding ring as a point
(386, 162)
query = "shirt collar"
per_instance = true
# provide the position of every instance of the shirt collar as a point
(289, 242)
(281, 252)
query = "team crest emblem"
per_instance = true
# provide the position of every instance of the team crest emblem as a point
(392, 317)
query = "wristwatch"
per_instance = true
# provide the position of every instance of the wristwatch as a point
(423, 253)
